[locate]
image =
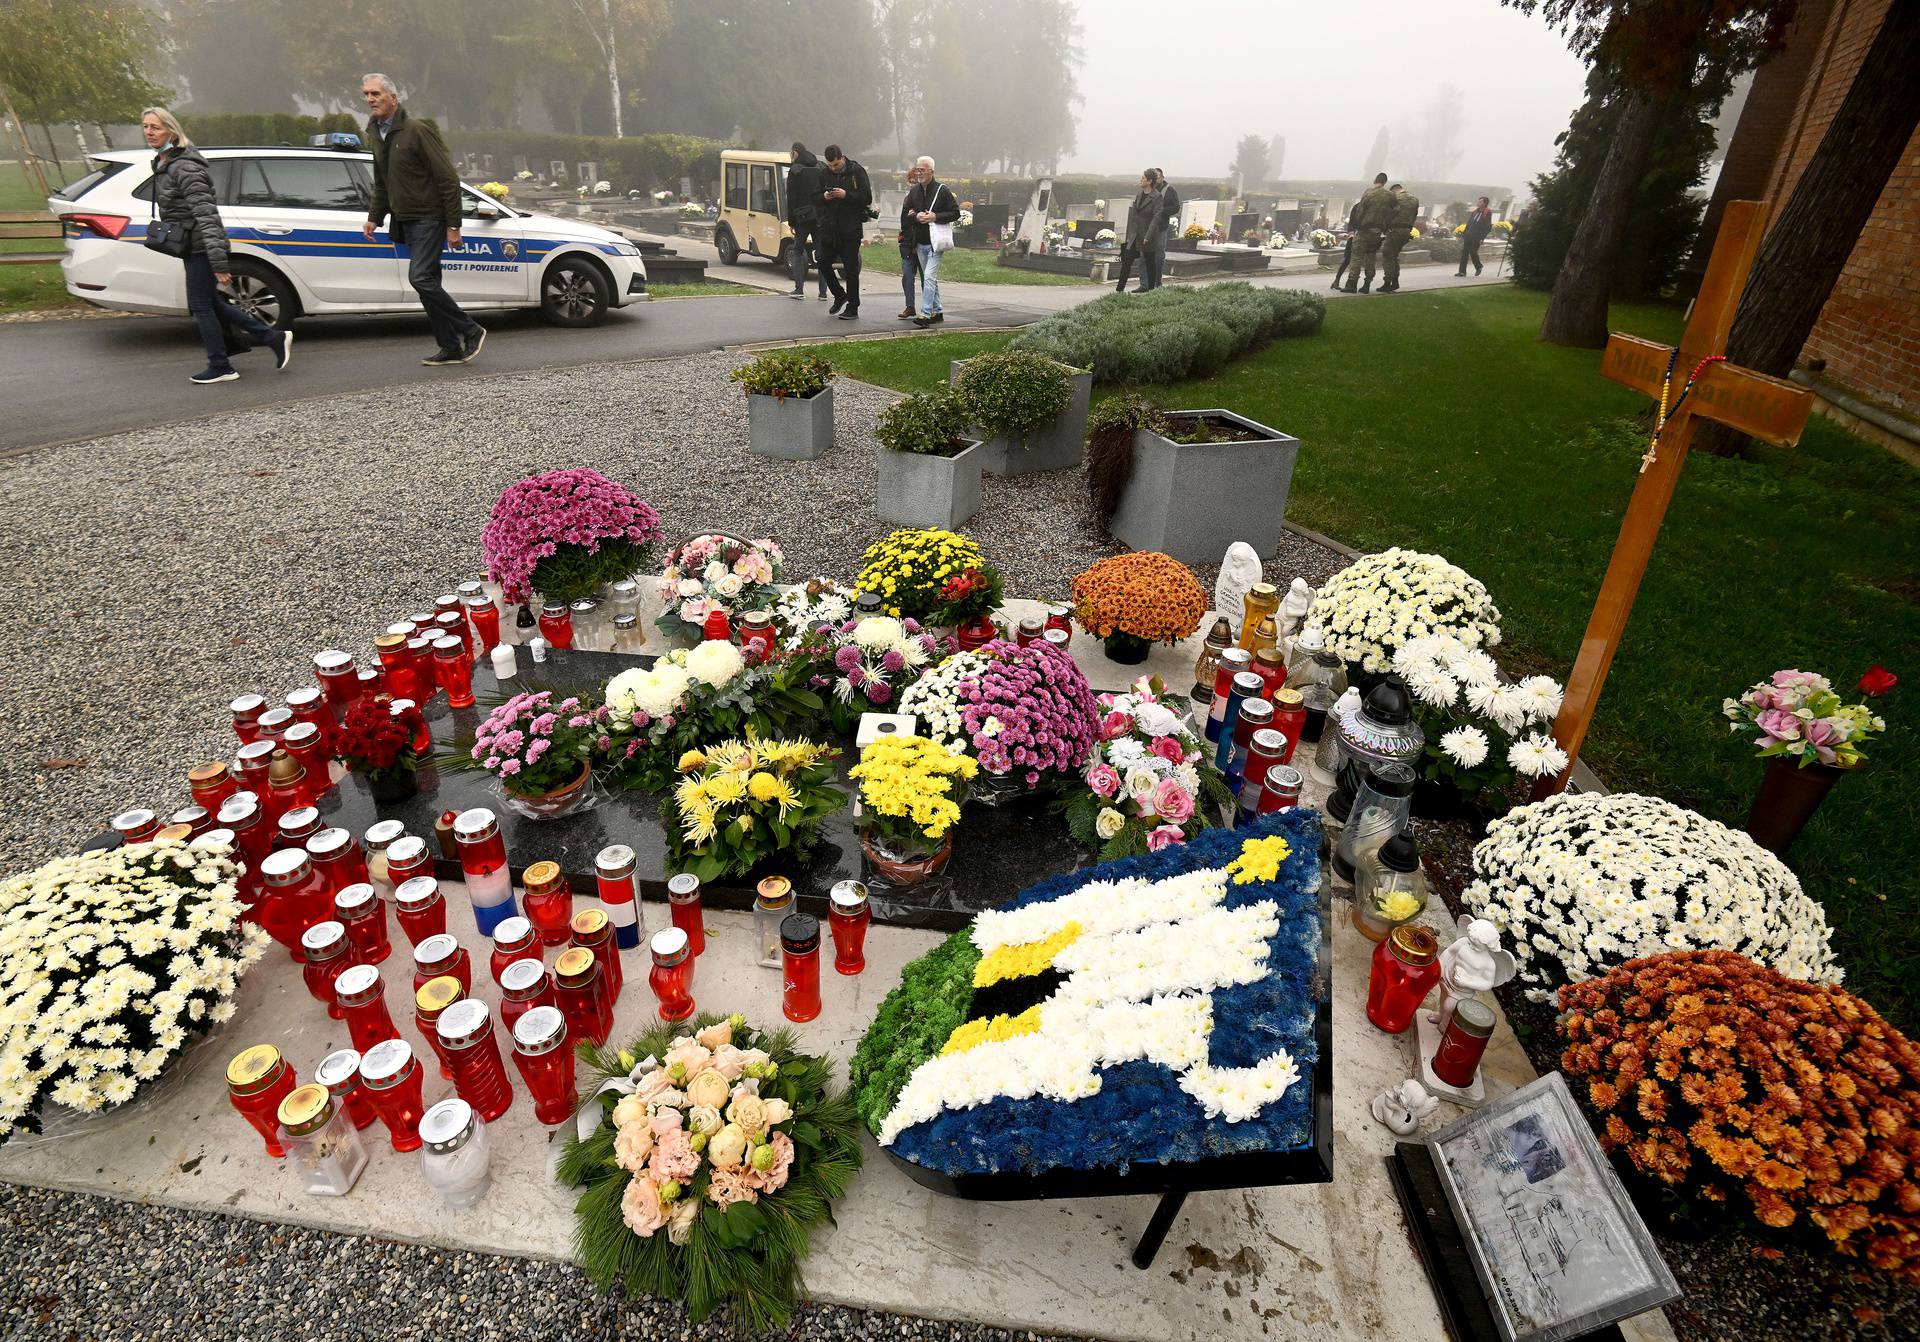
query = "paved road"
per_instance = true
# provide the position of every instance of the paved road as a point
(67, 380)
(61, 381)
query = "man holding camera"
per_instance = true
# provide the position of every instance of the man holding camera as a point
(846, 203)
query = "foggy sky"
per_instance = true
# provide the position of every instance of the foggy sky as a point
(1176, 85)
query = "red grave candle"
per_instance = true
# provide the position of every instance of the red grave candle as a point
(363, 998)
(556, 625)
(136, 826)
(420, 654)
(210, 785)
(683, 901)
(672, 975)
(1457, 1057)
(296, 827)
(430, 1002)
(396, 665)
(800, 965)
(485, 618)
(393, 1081)
(359, 909)
(325, 946)
(513, 940)
(419, 908)
(548, 900)
(578, 987)
(309, 705)
(592, 929)
(545, 1063)
(407, 857)
(246, 725)
(442, 955)
(1289, 719)
(338, 857)
(253, 769)
(296, 897)
(716, 628)
(848, 915)
(340, 1073)
(524, 984)
(339, 679)
(258, 1078)
(453, 665)
(1405, 968)
(473, 1049)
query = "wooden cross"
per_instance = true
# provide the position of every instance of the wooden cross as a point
(1757, 405)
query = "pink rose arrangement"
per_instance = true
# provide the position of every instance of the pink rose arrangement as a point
(565, 534)
(724, 1136)
(1149, 781)
(1799, 716)
(714, 572)
(534, 743)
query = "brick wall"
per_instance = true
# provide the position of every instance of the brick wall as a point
(1869, 331)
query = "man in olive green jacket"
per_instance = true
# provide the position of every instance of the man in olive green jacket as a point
(414, 182)
(1406, 208)
(1370, 219)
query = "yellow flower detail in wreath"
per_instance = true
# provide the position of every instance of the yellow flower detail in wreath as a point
(1259, 860)
(991, 1030)
(1018, 962)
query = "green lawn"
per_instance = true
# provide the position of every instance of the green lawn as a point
(963, 264)
(34, 287)
(1439, 422)
(701, 289)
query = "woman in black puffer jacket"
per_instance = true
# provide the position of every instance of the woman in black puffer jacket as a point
(183, 193)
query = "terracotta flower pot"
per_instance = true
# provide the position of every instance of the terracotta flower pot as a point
(555, 803)
(1788, 797)
(905, 871)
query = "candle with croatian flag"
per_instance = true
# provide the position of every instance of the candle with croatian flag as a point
(613, 871)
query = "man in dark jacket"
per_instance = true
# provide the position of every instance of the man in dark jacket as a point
(414, 182)
(1169, 223)
(803, 214)
(846, 194)
(1479, 224)
(930, 202)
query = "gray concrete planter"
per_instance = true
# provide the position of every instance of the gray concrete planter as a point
(789, 427)
(917, 490)
(1192, 500)
(1056, 446)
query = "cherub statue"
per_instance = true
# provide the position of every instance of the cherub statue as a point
(1403, 1108)
(1473, 963)
(1239, 571)
(1293, 608)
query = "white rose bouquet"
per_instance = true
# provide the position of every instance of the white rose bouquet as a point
(1380, 601)
(111, 963)
(1583, 882)
(716, 572)
(692, 696)
(1481, 731)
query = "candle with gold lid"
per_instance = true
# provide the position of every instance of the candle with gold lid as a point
(1261, 602)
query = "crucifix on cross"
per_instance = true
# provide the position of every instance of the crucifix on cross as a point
(1691, 382)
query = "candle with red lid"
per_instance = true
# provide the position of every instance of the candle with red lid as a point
(800, 964)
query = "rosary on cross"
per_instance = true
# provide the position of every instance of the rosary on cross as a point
(1667, 412)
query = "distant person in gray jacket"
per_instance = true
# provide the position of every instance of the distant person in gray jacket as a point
(183, 194)
(1146, 230)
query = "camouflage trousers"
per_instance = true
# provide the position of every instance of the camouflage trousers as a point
(1366, 246)
(1390, 255)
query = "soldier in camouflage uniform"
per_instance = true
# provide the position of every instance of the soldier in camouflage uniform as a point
(1406, 208)
(1370, 219)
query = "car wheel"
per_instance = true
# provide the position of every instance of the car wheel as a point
(262, 292)
(573, 292)
(729, 249)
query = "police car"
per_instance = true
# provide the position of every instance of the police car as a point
(293, 217)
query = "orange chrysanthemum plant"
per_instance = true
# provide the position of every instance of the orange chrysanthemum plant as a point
(1719, 1076)
(1138, 598)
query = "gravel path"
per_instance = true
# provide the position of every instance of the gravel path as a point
(79, 1267)
(155, 575)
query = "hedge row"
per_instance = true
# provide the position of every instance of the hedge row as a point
(637, 162)
(1171, 334)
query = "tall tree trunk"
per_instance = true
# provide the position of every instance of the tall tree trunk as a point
(1577, 313)
(53, 149)
(613, 71)
(1811, 239)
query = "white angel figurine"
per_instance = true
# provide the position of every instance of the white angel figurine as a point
(1403, 1108)
(1239, 571)
(1473, 963)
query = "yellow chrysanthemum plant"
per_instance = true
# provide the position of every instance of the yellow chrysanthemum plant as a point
(741, 803)
(911, 791)
(934, 576)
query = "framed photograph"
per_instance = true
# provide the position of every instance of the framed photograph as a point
(1557, 1244)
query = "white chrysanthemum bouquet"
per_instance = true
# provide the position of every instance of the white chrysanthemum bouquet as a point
(111, 963)
(1480, 730)
(1583, 882)
(1381, 601)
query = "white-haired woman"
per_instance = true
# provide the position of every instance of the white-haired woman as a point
(183, 194)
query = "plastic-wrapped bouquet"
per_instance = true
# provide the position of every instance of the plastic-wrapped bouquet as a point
(567, 533)
(1797, 713)
(740, 802)
(866, 664)
(1380, 601)
(1480, 730)
(111, 963)
(715, 572)
(1149, 781)
(1583, 881)
(939, 577)
(656, 714)
(1020, 712)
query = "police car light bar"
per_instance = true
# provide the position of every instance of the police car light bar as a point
(335, 139)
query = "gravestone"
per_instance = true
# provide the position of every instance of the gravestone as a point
(588, 173)
(556, 170)
(520, 164)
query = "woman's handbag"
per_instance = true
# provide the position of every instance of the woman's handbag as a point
(169, 237)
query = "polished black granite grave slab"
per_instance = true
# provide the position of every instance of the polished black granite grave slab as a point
(997, 852)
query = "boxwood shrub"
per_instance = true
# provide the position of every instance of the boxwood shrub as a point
(1171, 333)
